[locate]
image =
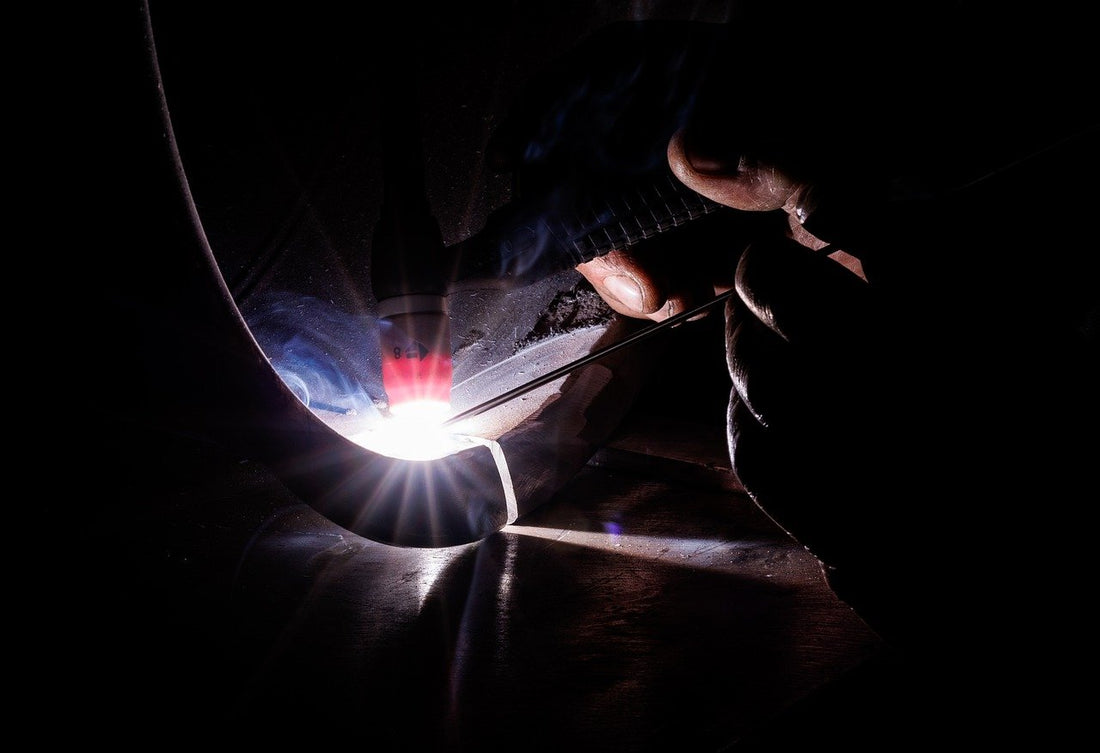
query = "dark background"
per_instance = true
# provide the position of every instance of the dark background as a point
(276, 115)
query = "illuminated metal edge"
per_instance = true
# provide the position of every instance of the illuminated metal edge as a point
(459, 498)
(462, 497)
(250, 410)
(447, 501)
(551, 446)
(428, 503)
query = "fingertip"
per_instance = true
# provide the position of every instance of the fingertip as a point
(727, 179)
(688, 159)
(678, 161)
(627, 286)
(703, 174)
(626, 290)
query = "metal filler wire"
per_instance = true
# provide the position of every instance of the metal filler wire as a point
(550, 376)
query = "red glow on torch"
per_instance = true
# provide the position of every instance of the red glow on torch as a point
(415, 340)
(407, 378)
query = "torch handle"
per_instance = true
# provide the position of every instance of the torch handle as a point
(525, 242)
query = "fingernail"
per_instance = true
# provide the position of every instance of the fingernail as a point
(625, 290)
(704, 158)
(707, 164)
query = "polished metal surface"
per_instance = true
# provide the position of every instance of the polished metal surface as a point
(648, 606)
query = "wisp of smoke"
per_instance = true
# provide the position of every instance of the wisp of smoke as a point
(329, 358)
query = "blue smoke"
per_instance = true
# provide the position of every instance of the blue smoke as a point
(329, 358)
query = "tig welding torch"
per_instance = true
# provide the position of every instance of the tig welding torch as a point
(583, 184)
(407, 269)
(521, 244)
(565, 211)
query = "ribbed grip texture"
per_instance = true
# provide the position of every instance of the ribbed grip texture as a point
(641, 213)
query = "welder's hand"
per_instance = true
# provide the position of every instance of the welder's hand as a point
(927, 427)
(653, 281)
(886, 420)
(820, 406)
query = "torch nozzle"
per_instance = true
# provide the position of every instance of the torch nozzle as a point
(415, 337)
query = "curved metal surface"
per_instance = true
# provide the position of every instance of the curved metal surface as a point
(247, 406)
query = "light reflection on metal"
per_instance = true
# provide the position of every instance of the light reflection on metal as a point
(511, 504)
(432, 562)
(711, 554)
(504, 604)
